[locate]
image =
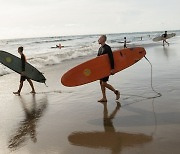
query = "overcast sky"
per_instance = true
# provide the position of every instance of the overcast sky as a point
(34, 18)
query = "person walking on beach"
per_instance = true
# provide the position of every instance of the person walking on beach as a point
(164, 38)
(23, 77)
(106, 49)
(125, 46)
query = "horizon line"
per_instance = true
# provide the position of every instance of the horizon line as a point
(1, 39)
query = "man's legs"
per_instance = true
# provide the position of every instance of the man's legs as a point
(105, 85)
(164, 40)
(32, 86)
(20, 87)
(103, 89)
(109, 86)
(112, 89)
(167, 42)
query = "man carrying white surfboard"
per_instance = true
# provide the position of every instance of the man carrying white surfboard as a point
(164, 38)
(106, 49)
(23, 77)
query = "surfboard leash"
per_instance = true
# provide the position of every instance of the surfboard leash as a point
(159, 94)
(45, 84)
(145, 98)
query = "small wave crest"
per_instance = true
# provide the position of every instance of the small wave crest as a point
(57, 57)
(50, 41)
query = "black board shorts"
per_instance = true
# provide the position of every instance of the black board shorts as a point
(23, 78)
(105, 79)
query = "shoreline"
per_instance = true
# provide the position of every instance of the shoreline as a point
(176, 30)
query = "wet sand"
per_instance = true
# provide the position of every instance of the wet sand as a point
(61, 120)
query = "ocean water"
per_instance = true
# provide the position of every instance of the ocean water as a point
(40, 54)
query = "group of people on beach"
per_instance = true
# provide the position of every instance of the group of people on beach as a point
(104, 49)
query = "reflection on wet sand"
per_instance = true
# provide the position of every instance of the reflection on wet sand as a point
(166, 52)
(110, 139)
(29, 124)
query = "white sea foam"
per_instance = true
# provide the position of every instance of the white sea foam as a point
(4, 70)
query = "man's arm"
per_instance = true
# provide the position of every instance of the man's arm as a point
(23, 61)
(111, 58)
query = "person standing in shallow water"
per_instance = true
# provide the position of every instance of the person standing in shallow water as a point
(23, 77)
(125, 46)
(106, 49)
(164, 38)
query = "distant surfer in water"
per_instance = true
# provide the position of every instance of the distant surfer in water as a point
(58, 46)
(125, 46)
(23, 77)
(106, 49)
(164, 38)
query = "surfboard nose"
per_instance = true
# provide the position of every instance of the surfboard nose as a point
(141, 52)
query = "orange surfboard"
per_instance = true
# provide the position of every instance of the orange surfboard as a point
(99, 67)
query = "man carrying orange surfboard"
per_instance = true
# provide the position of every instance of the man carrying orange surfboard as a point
(106, 49)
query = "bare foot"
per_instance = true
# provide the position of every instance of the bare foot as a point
(117, 94)
(102, 100)
(16, 93)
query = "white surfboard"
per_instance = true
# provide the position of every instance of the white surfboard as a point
(160, 38)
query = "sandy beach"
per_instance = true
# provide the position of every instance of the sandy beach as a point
(62, 120)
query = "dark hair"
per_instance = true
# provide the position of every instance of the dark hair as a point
(104, 36)
(124, 37)
(20, 49)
